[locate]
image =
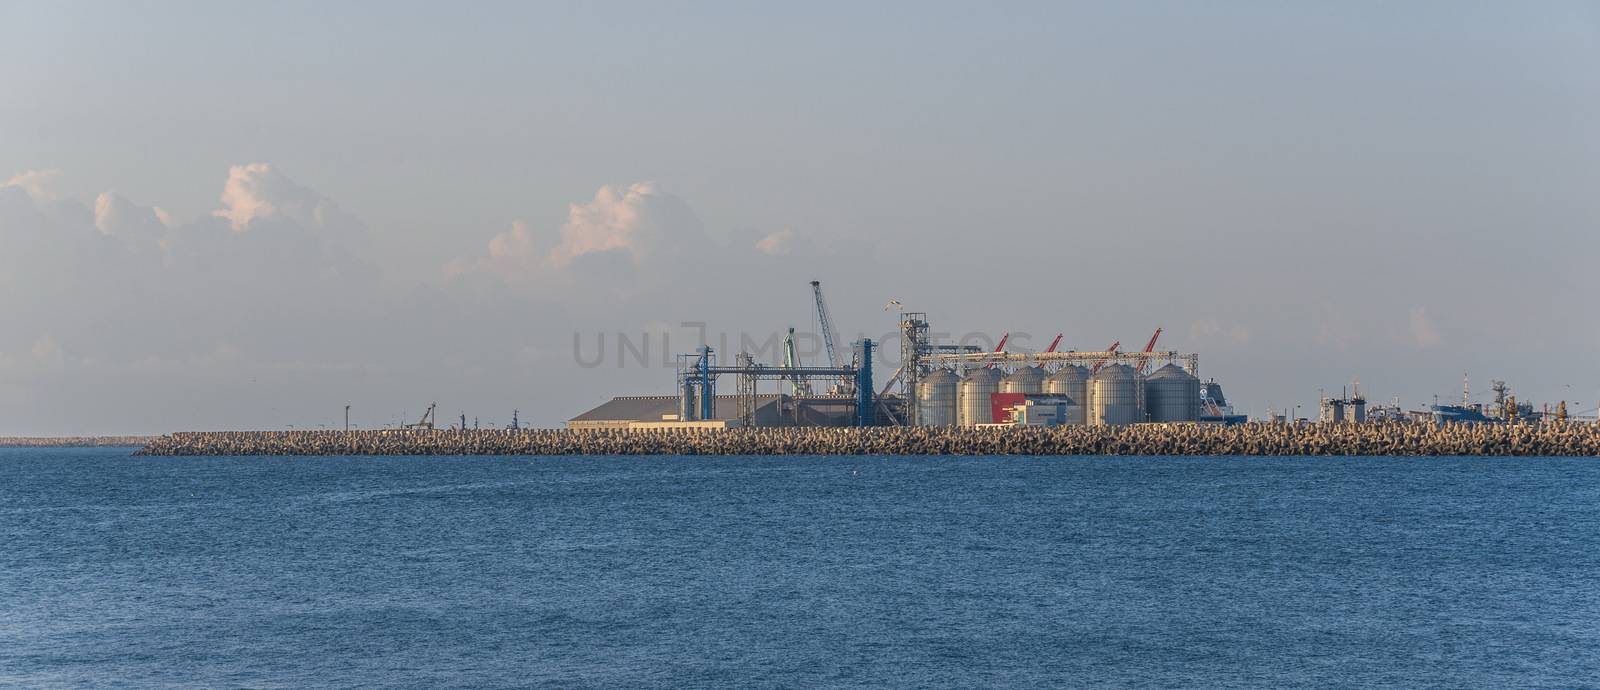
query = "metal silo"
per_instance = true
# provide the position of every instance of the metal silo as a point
(1071, 381)
(1172, 395)
(1114, 396)
(936, 398)
(972, 397)
(1029, 380)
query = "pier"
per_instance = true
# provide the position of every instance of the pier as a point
(1255, 439)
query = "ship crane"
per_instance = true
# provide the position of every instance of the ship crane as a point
(1109, 351)
(1053, 345)
(427, 418)
(1143, 363)
(999, 348)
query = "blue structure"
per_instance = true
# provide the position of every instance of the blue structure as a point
(697, 383)
(1461, 414)
(696, 388)
(865, 414)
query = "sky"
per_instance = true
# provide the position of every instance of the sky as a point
(249, 215)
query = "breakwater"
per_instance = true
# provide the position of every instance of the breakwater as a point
(73, 441)
(1562, 439)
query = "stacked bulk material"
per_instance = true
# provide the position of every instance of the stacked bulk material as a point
(1264, 439)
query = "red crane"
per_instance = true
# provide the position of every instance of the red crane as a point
(1053, 344)
(1144, 357)
(998, 348)
(1109, 351)
(1052, 347)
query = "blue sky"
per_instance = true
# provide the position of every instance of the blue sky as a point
(1302, 193)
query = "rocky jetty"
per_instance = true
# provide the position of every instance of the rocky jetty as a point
(73, 441)
(1264, 439)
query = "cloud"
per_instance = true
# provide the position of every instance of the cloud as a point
(39, 184)
(515, 244)
(115, 279)
(777, 244)
(115, 215)
(637, 219)
(1424, 333)
(135, 304)
(621, 230)
(257, 191)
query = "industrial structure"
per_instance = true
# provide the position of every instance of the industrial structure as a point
(935, 384)
(1349, 407)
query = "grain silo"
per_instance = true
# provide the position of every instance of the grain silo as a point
(1072, 382)
(1172, 395)
(1114, 396)
(936, 398)
(972, 397)
(1029, 380)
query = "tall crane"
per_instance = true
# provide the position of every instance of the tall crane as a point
(791, 360)
(1053, 345)
(427, 419)
(1109, 351)
(825, 324)
(1144, 357)
(999, 348)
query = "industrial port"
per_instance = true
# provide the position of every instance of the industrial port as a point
(952, 385)
(952, 399)
(935, 385)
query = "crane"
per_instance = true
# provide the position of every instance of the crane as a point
(1109, 351)
(791, 360)
(427, 419)
(1053, 345)
(999, 348)
(1144, 357)
(825, 324)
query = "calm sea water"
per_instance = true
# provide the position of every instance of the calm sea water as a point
(692, 572)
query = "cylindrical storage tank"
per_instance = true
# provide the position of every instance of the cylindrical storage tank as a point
(1072, 382)
(936, 398)
(972, 397)
(1029, 380)
(1114, 396)
(688, 406)
(1172, 395)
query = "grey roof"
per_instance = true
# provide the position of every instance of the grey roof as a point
(1171, 371)
(650, 408)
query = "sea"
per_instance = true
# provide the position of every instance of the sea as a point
(746, 572)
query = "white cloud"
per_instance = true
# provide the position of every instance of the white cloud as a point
(777, 244)
(637, 219)
(79, 272)
(258, 191)
(1424, 333)
(622, 228)
(39, 184)
(115, 215)
(515, 244)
